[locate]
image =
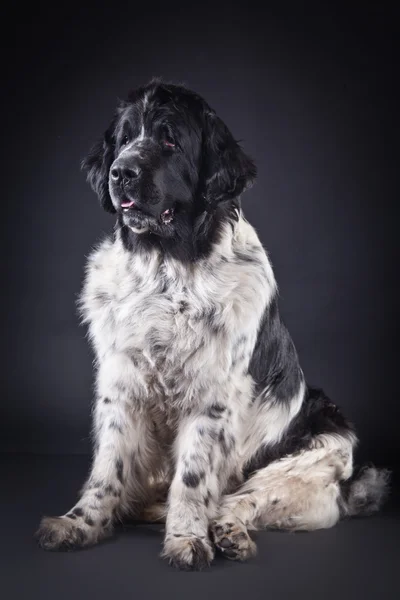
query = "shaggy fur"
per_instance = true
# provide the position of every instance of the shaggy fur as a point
(202, 413)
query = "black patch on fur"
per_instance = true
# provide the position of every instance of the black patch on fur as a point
(183, 306)
(223, 444)
(97, 484)
(89, 521)
(212, 323)
(107, 401)
(215, 411)
(105, 522)
(71, 516)
(317, 416)
(109, 489)
(99, 495)
(169, 382)
(274, 363)
(114, 425)
(227, 442)
(245, 257)
(191, 479)
(119, 465)
(78, 512)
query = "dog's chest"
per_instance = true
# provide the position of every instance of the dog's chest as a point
(153, 319)
(184, 328)
(169, 322)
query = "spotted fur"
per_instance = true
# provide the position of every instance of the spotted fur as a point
(202, 415)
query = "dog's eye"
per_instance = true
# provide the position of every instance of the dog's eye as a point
(125, 140)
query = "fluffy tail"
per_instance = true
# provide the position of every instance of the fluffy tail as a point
(365, 492)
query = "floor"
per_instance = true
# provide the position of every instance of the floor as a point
(359, 558)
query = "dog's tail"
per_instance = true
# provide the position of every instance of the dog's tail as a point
(365, 492)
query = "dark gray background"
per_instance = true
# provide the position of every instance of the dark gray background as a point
(312, 95)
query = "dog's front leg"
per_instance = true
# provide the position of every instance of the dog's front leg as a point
(124, 451)
(205, 450)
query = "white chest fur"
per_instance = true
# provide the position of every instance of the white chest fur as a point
(178, 324)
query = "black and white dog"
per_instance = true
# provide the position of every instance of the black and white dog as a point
(202, 413)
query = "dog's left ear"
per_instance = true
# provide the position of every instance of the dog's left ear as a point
(97, 166)
(228, 170)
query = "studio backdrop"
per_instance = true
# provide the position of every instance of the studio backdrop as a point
(311, 97)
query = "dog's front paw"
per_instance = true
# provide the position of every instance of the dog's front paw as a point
(188, 552)
(60, 533)
(71, 531)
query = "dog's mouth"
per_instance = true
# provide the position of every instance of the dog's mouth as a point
(127, 204)
(130, 206)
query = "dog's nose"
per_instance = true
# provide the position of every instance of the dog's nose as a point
(124, 173)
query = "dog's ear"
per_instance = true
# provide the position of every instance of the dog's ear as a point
(228, 171)
(97, 166)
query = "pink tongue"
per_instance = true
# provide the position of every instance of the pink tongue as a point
(127, 204)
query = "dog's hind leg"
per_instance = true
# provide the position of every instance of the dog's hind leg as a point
(299, 492)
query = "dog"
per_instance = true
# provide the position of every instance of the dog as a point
(203, 418)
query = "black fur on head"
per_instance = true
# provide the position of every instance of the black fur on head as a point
(228, 170)
(170, 168)
(97, 165)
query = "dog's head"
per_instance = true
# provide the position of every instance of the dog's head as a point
(165, 160)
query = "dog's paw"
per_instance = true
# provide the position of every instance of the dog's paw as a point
(60, 533)
(70, 533)
(232, 539)
(188, 552)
